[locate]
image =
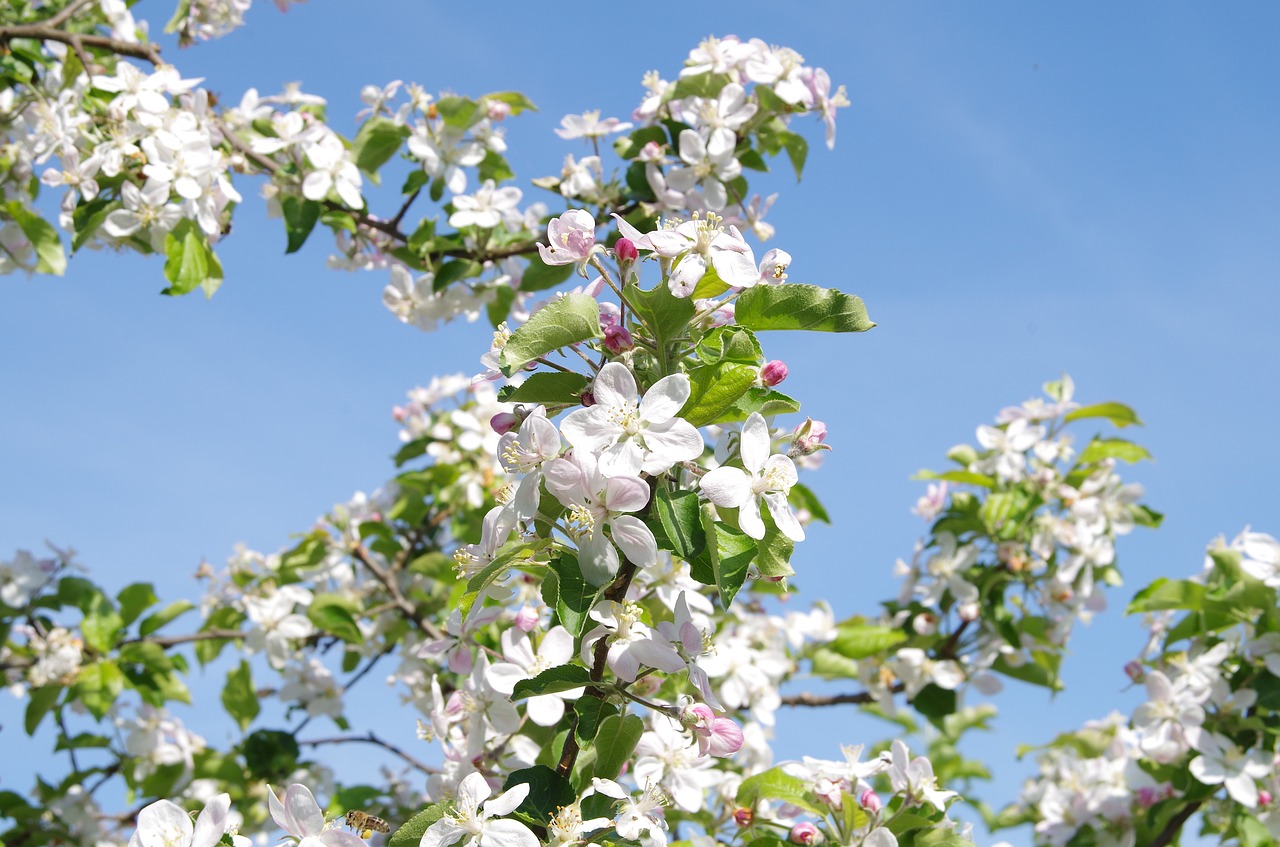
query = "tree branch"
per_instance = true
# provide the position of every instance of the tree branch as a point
(1174, 826)
(370, 738)
(808, 698)
(43, 32)
(388, 579)
(175, 640)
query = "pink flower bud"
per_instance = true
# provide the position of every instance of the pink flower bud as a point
(588, 399)
(1147, 797)
(526, 618)
(773, 372)
(399, 413)
(617, 339)
(625, 250)
(870, 801)
(743, 816)
(496, 110)
(805, 833)
(1264, 797)
(808, 438)
(716, 736)
(1134, 671)
(504, 422)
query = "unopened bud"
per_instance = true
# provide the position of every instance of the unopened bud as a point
(743, 816)
(526, 618)
(969, 612)
(808, 438)
(925, 623)
(496, 110)
(399, 413)
(870, 801)
(773, 372)
(1148, 796)
(1134, 671)
(504, 422)
(1264, 797)
(805, 833)
(588, 399)
(625, 250)
(617, 339)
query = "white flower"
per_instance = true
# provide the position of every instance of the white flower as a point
(702, 244)
(589, 125)
(487, 208)
(1008, 447)
(525, 451)
(166, 824)
(766, 477)
(19, 579)
(631, 643)
(334, 171)
(915, 778)
(1221, 762)
(299, 815)
(1259, 556)
(709, 162)
(522, 662)
(634, 432)
(478, 825)
(1165, 718)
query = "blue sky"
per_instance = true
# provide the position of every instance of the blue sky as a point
(1018, 190)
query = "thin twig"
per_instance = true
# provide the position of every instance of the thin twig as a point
(397, 596)
(370, 738)
(808, 698)
(175, 640)
(66, 14)
(146, 51)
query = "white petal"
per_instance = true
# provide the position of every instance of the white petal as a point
(783, 517)
(677, 440)
(547, 709)
(665, 398)
(473, 790)
(507, 833)
(303, 810)
(626, 494)
(749, 520)
(728, 487)
(635, 540)
(506, 803)
(212, 823)
(615, 386)
(687, 274)
(754, 444)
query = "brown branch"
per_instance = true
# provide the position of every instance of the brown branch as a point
(370, 738)
(387, 578)
(1174, 826)
(175, 640)
(808, 698)
(43, 32)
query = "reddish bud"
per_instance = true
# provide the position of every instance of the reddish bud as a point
(743, 816)
(526, 618)
(1134, 671)
(1264, 797)
(806, 834)
(588, 399)
(870, 801)
(504, 422)
(773, 373)
(617, 339)
(625, 250)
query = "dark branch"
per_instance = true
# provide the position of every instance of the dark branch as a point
(370, 738)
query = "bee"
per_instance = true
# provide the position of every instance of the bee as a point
(365, 824)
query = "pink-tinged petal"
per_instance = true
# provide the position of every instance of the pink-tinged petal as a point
(735, 269)
(635, 540)
(165, 823)
(615, 386)
(726, 737)
(677, 440)
(658, 656)
(278, 813)
(564, 480)
(590, 429)
(474, 790)
(212, 823)
(754, 444)
(665, 398)
(688, 272)
(749, 520)
(506, 802)
(597, 558)
(303, 810)
(507, 833)
(626, 230)
(626, 494)
(442, 833)
(340, 838)
(623, 661)
(669, 243)
(702, 682)
(728, 487)
(543, 439)
(548, 709)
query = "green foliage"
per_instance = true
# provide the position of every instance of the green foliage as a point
(552, 681)
(190, 262)
(566, 321)
(795, 306)
(616, 740)
(376, 142)
(50, 257)
(239, 697)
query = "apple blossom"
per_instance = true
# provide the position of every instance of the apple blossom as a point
(763, 477)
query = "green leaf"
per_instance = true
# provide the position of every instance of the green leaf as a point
(574, 595)
(239, 696)
(831, 665)
(539, 276)
(797, 151)
(730, 344)
(1118, 413)
(411, 831)
(665, 315)
(300, 216)
(190, 263)
(337, 220)
(934, 702)
(376, 142)
(97, 687)
(940, 837)
(151, 623)
(223, 617)
(776, 784)
(1166, 593)
(134, 600)
(858, 640)
(83, 741)
(714, 389)
(563, 322)
(39, 703)
(725, 558)
(629, 146)
(87, 218)
(796, 306)
(1147, 517)
(270, 755)
(50, 257)
(706, 85)
(802, 497)
(101, 624)
(552, 681)
(766, 401)
(681, 522)
(1112, 448)
(336, 614)
(554, 388)
(961, 477)
(454, 270)
(615, 742)
(591, 711)
(773, 552)
(548, 791)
